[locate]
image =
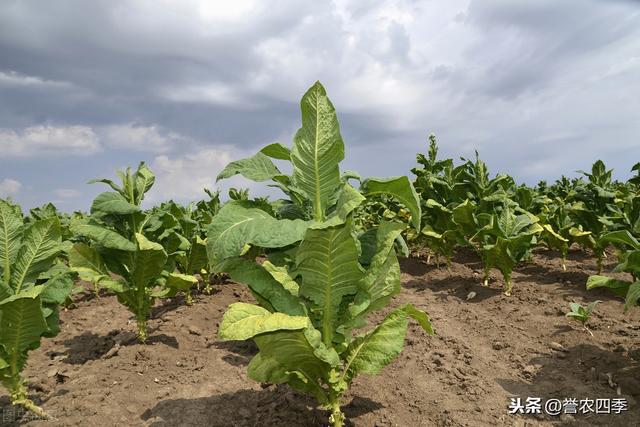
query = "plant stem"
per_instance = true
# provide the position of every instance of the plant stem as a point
(507, 285)
(337, 417)
(19, 396)
(141, 320)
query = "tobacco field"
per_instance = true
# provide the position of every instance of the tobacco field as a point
(439, 298)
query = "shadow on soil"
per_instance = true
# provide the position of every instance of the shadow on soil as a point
(273, 406)
(89, 346)
(242, 351)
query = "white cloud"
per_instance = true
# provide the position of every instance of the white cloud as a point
(141, 138)
(49, 141)
(215, 93)
(9, 187)
(66, 193)
(184, 178)
(11, 78)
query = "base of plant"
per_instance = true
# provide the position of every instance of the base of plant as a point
(142, 329)
(19, 397)
(337, 417)
(508, 288)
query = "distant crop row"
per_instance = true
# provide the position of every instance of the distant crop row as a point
(319, 261)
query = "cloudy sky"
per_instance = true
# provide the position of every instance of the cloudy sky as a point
(540, 87)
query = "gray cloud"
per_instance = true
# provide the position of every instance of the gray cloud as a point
(541, 88)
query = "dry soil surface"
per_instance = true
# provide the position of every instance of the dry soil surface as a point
(488, 349)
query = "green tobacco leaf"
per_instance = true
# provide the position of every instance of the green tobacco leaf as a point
(400, 188)
(618, 287)
(235, 226)
(633, 295)
(257, 168)
(57, 289)
(197, 257)
(242, 321)
(290, 351)
(149, 262)
(281, 274)
(277, 151)
(11, 227)
(463, 216)
(382, 278)
(373, 351)
(349, 199)
(22, 323)
(103, 236)
(86, 261)
(623, 237)
(327, 261)
(111, 203)
(317, 150)
(144, 180)
(180, 282)
(263, 285)
(499, 256)
(40, 245)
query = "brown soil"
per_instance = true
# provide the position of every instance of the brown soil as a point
(487, 349)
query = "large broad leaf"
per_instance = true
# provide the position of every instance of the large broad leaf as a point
(621, 237)
(103, 236)
(11, 226)
(618, 287)
(277, 151)
(235, 226)
(265, 288)
(290, 351)
(176, 282)
(40, 245)
(373, 351)
(327, 261)
(242, 321)
(57, 288)
(257, 168)
(317, 150)
(86, 261)
(149, 262)
(111, 203)
(400, 188)
(22, 323)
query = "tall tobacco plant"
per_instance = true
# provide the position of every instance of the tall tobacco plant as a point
(321, 280)
(32, 287)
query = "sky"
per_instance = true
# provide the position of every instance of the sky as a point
(540, 88)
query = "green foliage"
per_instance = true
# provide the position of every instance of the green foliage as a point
(580, 313)
(323, 277)
(32, 287)
(505, 240)
(121, 257)
(629, 263)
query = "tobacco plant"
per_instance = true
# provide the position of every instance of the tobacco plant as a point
(505, 240)
(629, 263)
(120, 257)
(321, 280)
(32, 287)
(582, 314)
